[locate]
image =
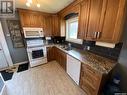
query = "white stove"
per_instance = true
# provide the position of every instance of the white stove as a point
(34, 43)
(37, 55)
(36, 49)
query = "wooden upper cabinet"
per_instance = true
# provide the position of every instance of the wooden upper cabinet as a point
(96, 16)
(101, 20)
(36, 20)
(30, 19)
(55, 25)
(49, 22)
(47, 26)
(113, 21)
(83, 19)
(51, 25)
(72, 8)
(24, 18)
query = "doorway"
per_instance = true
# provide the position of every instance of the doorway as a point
(5, 58)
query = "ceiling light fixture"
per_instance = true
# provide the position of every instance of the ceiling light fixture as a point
(38, 5)
(27, 4)
(29, 1)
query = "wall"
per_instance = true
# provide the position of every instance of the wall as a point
(122, 67)
(18, 54)
(111, 53)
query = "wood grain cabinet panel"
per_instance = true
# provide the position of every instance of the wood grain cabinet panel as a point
(102, 20)
(49, 22)
(83, 19)
(96, 16)
(47, 26)
(50, 54)
(24, 18)
(113, 21)
(55, 25)
(60, 57)
(30, 19)
(90, 80)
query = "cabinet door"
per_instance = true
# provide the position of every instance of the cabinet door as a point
(57, 54)
(30, 19)
(55, 25)
(48, 26)
(50, 54)
(63, 59)
(96, 16)
(25, 19)
(35, 19)
(113, 22)
(83, 19)
(90, 80)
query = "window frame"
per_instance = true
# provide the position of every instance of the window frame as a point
(78, 41)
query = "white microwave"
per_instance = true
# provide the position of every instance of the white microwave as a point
(33, 32)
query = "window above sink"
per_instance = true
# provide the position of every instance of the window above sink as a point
(72, 30)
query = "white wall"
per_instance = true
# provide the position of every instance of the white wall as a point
(5, 47)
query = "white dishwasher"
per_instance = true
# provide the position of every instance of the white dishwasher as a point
(73, 68)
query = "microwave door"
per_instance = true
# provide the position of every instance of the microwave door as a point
(32, 34)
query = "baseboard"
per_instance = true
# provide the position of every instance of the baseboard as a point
(21, 63)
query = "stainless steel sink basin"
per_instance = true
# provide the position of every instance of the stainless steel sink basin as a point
(64, 47)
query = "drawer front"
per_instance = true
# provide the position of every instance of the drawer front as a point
(93, 82)
(91, 72)
(90, 80)
(88, 89)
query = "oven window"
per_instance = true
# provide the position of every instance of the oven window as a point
(37, 54)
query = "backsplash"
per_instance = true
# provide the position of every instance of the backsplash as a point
(111, 53)
(58, 40)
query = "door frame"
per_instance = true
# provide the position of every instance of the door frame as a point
(5, 47)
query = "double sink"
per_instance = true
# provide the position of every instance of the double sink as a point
(65, 47)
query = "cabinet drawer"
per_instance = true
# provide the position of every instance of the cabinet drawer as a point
(91, 72)
(88, 89)
(93, 82)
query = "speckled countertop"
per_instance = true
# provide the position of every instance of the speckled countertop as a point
(99, 63)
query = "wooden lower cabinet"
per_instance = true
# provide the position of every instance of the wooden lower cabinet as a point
(61, 58)
(90, 80)
(50, 54)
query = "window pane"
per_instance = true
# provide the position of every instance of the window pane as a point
(73, 27)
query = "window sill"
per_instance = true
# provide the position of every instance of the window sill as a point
(77, 41)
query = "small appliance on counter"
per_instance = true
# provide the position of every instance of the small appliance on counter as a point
(36, 49)
(47, 39)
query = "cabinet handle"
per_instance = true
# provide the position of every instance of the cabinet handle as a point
(95, 35)
(98, 35)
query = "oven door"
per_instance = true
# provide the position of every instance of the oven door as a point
(36, 53)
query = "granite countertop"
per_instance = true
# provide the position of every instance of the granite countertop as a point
(99, 63)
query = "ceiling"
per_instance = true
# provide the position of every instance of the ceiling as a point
(49, 6)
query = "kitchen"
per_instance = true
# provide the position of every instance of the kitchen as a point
(76, 48)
